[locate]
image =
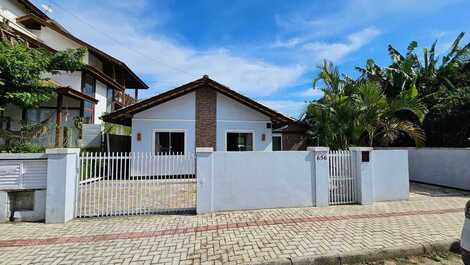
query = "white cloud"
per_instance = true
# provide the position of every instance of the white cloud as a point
(289, 43)
(168, 63)
(310, 93)
(355, 13)
(290, 108)
(337, 51)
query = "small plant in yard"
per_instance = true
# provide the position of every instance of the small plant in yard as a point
(22, 148)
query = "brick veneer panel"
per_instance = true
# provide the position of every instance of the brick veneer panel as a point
(206, 120)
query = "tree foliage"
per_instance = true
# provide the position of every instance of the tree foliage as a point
(24, 79)
(357, 112)
(24, 72)
(414, 90)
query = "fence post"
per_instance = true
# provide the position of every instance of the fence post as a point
(321, 174)
(62, 170)
(205, 179)
(362, 159)
(4, 206)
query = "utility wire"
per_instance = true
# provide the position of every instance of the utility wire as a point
(120, 42)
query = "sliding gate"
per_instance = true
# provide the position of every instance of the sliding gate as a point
(343, 184)
(112, 184)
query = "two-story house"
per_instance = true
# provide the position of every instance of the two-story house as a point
(102, 86)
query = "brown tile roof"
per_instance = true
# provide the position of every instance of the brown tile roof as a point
(124, 116)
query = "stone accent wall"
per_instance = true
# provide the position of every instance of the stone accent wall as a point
(206, 120)
(294, 142)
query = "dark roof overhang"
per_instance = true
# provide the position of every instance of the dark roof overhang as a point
(67, 91)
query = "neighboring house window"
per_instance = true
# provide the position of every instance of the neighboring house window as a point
(277, 142)
(239, 141)
(35, 116)
(172, 143)
(109, 99)
(89, 88)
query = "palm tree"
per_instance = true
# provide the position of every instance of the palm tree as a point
(359, 113)
(441, 83)
(377, 115)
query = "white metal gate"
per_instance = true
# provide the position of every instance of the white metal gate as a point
(113, 184)
(342, 178)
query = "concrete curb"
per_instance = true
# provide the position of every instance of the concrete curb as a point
(368, 255)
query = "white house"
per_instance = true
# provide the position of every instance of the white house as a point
(101, 86)
(205, 113)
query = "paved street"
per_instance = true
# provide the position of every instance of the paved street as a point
(431, 214)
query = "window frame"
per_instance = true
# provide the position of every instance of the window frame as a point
(89, 110)
(253, 133)
(110, 101)
(272, 142)
(154, 140)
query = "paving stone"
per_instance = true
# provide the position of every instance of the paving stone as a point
(240, 237)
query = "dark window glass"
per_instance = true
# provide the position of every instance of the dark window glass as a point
(109, 99)
(239, 142)
(277, 143)
(177, 142)
(169, 143)
(87, 117)
(89, 85)
(88, 89)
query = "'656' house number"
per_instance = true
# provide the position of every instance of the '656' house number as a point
(322, 157)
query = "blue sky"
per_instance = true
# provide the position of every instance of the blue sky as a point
(267, 50)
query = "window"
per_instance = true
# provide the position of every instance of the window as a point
(237, 141)
(109, 99)
(88, 89)
(277, 143)
(169, 143)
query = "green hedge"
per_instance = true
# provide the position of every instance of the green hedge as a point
(22, 148)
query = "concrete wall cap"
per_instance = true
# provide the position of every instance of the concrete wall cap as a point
(204, 149)
(318, 148)
(359, 148)
(63, 151)
(22, 156)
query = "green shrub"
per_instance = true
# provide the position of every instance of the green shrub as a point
(22, 148)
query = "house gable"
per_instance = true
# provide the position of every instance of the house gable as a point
(229, 109)
(124, 115)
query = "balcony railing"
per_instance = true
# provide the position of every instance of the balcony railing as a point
(123, 99)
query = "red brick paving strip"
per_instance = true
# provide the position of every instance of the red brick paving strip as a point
(179, 231)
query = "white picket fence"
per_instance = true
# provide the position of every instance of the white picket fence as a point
(342, 178)
(113, 184)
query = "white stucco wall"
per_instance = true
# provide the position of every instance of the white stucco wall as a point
(100, 107)
(177, 114)
(441, 166)
(233, 116)
(11, 9)
(255, 180)
(71, 79)
(57, 40)
(390, 175)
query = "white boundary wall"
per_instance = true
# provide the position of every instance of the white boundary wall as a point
(255, 180)
(53, 178)
(390, 173)
(441, 166)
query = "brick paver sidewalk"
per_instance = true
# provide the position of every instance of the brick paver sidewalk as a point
(238, 237)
